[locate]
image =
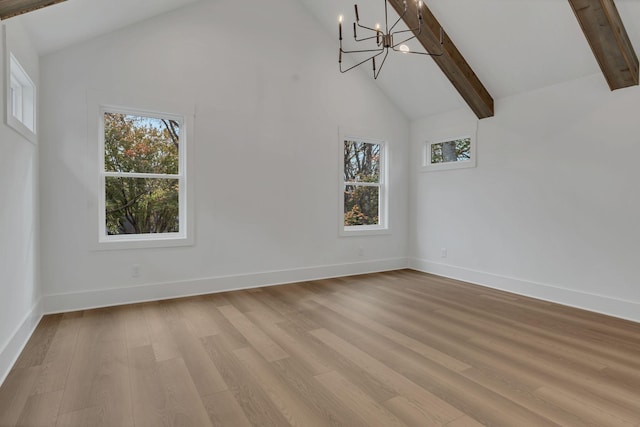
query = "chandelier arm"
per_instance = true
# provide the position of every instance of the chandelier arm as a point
(413, 37)
(418, 29)
(418, 53)
(402, 42)
(366, 28)
(376, 74)
(363, 50)
(359, 63)
(365, 39)
(399, 18)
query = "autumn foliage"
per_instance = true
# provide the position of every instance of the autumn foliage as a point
(141, 161)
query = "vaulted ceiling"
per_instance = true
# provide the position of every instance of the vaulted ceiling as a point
(512, 46)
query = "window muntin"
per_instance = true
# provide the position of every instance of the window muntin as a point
(142, 176)
(363, 185)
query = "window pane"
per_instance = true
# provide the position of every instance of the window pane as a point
(361, 205)
(361, 162)
(141, 205)
(451, 151)
(140, 144)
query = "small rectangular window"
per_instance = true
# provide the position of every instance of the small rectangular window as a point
(142, 175)
(452, 153)
(458, 150)
(21, 100)
(364, 195)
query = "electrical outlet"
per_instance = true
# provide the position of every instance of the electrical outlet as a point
(443, 252)
(135, 270)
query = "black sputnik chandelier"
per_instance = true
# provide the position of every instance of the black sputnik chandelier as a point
(380, 41)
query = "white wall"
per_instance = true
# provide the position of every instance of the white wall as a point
(268, 100)
(552, 209)
(19, 293)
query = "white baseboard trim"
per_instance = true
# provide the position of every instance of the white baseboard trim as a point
(61, 303)
(11, 351)
(629, 310)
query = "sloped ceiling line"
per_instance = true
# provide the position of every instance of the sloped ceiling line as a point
(452, 63)
(11, 8)
(609, 41)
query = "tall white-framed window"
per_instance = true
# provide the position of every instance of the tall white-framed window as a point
(363, 206)
(21, 99)
(143, 177)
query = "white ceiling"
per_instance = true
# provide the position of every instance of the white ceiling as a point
(55, 27)
(513, 46)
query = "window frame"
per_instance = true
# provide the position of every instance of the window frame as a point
(21, 99)
(427, 166)
(123, 241)
(383, 211)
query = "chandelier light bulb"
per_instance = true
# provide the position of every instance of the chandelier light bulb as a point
(404, 48)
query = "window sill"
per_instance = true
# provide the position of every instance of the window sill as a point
(364, 231)
(142, 243)
(448, 166)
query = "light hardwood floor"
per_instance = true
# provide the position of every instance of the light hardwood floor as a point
(391, 349)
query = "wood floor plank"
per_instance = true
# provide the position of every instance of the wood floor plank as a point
(99, 372)
(56, 364)
(465, 421)
(198, 314)
(94, 416)
(251, 301)
(41, 410)
(403, 386)
(300, 380)
(258, 339)
(15, 392)
(395, 336)
(354, 373)
(381, 349)
(523, 396)
(582, 337)
(38, 345)
(164, 347)
(372, 412)
(593, 413)
(146, 387)
(292, 408)
(224, 410)
(628, 396)
(183, 404)
(411, 414)
(458, 391)
(290, 344)
(164, 392)
(257, 406)
(522, 338)
(136, 329)
(201, 368)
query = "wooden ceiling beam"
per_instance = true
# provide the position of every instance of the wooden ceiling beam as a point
(452, 63)
(605, 32)
(11, 8)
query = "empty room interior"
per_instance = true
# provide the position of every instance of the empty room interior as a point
(310, 213)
